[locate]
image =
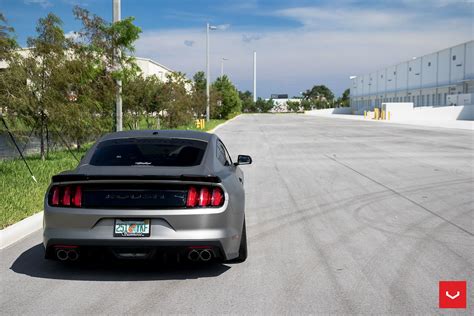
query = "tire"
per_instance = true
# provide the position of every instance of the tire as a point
(243, 247)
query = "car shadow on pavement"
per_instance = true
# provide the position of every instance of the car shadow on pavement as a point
(32, 263)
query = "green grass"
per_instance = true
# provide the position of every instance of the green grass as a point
(209, 125)
(142, 124)
(21, 197)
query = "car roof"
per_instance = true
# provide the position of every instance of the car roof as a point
(160, 133)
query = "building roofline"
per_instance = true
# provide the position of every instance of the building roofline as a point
(406, 61)
(140, 58)
(154, 62)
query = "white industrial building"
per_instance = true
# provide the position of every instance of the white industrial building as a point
(147, 66)
(280, 102)
(442, 78)
(281, 105)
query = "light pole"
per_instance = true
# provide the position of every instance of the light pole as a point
(222, 66)
(208, 75)
(254, 76)
(118, 89)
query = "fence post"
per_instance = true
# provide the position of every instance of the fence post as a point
(18, 148)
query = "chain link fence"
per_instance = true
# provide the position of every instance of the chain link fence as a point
(29, 142)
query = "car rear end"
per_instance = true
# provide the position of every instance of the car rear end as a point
(140, 211)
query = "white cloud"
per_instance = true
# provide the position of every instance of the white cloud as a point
(252, 37)
(42, 3)
(72, 35)
(81, 3)
(243, 5)
(437, 3)
(223, 27)
(188, 43)
(348, 18)
(290, 61)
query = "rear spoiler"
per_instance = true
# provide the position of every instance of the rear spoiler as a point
(83, 177)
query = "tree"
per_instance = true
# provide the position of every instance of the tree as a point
(344, 101)
(321, 96)
(68, 84)
(96, 59)
(176, 101)
(229, 101)
(248, 106)
(199, 93)
(104, 39)
(11, 78)
(90, 89)
(36, 82)
(293, 106)
(140, 96)
(199, 79)
(8, 43)
(306, 105)
(264, 106)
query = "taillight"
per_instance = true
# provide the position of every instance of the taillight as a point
(217, 197)
(192, 199)
(55, 197)
(205, 197)
(77, 199)
(66, 196)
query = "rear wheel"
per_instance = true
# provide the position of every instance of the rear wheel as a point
(243, 246)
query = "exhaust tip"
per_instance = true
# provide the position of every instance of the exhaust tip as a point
(62, 254)
(205, 255)
(193, 255)
(73, 255)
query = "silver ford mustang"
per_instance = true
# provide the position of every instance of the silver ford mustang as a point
(143, 194)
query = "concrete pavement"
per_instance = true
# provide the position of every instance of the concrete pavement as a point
(343, 217)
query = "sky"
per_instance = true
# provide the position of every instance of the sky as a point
(299, 43)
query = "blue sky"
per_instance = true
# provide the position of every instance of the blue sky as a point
(299, 43)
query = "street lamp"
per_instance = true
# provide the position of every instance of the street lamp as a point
(208, 77)
(222, 66)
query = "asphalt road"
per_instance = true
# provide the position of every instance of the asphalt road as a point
(343, 217)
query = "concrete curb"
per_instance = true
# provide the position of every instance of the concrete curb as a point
(222, 124)
(20, 230)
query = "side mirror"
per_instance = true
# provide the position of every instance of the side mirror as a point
(243, 160)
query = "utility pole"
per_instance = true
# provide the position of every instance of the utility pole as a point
(207, 74)
(118, 91)
(208, 70)
(254, 76)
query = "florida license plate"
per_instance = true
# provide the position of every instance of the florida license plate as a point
(132, 228)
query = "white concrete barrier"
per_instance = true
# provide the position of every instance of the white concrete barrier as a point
(330, 111)
(406, 112)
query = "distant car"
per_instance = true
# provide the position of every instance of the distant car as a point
(142, 194)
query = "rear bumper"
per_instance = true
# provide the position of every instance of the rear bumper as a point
(219, 228)
(148, 250)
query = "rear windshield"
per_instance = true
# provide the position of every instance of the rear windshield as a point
(153, 152)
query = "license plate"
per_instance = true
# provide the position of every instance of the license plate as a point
(132, 228)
